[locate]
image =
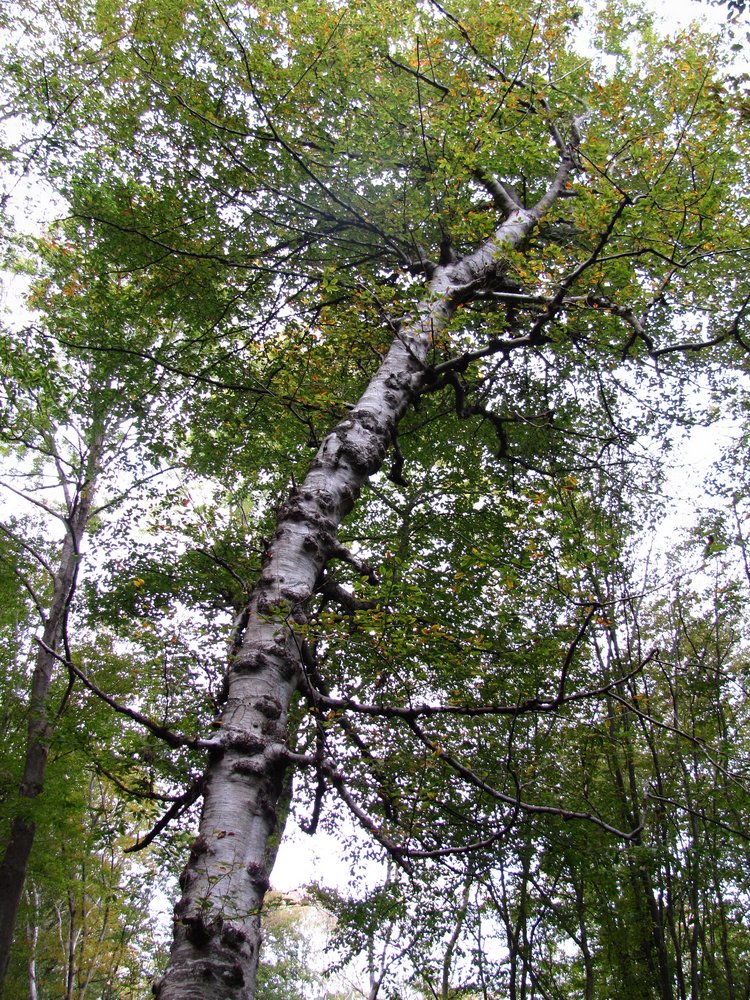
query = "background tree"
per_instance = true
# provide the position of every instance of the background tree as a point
(78, 445)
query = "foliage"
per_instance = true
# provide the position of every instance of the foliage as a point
(86, 926)
(286, 970)
(258, 200)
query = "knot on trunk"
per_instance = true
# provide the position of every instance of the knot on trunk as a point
(268, 706)
(258, 877)
(243, 741)
(233, 936)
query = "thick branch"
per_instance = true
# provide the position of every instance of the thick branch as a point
(161, 732)
(176, 809)
(503, 195)
(531, 705)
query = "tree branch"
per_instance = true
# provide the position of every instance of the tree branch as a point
(503, 195)
(531, 705)
(176, 809)
(419, 76)
(473, 779)
(161, 732)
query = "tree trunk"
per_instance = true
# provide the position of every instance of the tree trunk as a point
(217, 926)
(583, 940)
(33, 938)
(450, 948)
(15, 861)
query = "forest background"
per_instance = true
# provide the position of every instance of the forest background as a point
(429, 295)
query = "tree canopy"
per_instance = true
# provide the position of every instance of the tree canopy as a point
(357, 345)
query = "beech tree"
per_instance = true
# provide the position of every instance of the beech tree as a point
(440, 272)
(74, 450)
(31, 427)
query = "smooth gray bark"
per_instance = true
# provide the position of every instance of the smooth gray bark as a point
(217, 921)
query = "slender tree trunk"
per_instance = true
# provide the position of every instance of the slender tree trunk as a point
(217, 927)
(503, 906)
(583, 940)
(445, 983)
(71, 947)
(33, 936)
(15, 861)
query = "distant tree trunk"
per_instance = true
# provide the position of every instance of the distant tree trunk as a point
(71, 943)
(583, 941)
(450, 949)
(217, 927)
(16, 859)
(33, 937)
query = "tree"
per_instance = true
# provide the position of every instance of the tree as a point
(458, 241)
(77, 481)
(286, 970)
(71, 431)
(85, 924)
